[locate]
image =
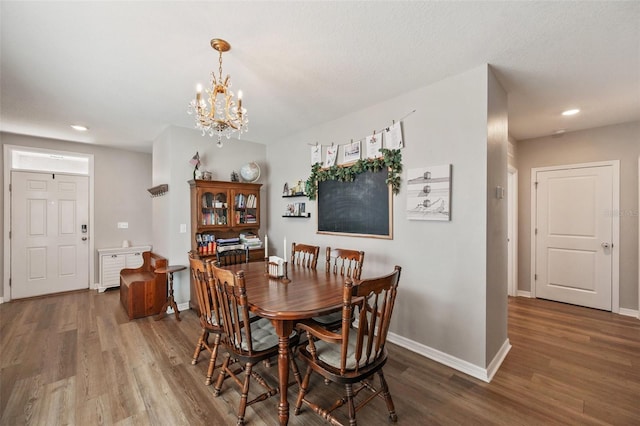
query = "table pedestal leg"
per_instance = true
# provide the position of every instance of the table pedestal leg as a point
(284, 329)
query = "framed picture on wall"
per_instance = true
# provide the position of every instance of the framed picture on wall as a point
(351, 152)
(429, 193)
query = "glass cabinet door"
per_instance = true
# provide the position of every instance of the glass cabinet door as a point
(215, 210)
(245, 208)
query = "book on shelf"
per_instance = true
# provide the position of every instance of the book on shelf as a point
(252, 246)
(230, 247)
(226, 241)
(246, 201)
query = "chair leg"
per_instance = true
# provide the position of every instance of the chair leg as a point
(204, 337)
(387, 397)
(245, 393)
(350, 405)
(222, 375)
(294, 368)
(303, 390)
(212, 360)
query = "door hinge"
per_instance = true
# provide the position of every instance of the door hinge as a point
(9, 234)
(9, 187)
(536, 183)
(535, 232)
(535, 277)
(9, 282)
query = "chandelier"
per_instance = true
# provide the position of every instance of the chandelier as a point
(219, 114)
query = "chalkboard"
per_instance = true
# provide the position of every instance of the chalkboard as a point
(362, 207)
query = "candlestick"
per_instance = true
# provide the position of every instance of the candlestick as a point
(285, 277)
(198, 94)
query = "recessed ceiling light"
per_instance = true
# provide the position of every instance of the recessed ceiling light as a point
(79, 127)
(571, 111)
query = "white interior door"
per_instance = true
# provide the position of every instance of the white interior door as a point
(574, 236)
(49, 246)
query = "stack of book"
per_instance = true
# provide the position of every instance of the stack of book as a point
(224, 244)
(251, 241)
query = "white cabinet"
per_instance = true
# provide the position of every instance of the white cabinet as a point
(113, 260)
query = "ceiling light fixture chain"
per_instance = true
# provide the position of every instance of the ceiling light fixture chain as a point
(222, 116)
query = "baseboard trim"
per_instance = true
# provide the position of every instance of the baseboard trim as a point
(629, 313)
(522, 293)
(495, 364)
(1, 300)
(181, 307)
(484, 374)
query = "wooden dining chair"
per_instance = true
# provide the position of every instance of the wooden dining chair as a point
(305, 255)
(247, 342)
(208, 312)
(346, 263)
(355, 354)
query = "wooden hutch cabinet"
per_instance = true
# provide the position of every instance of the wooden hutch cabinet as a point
(223, 210)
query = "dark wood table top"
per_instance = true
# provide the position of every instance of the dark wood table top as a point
(309, 294)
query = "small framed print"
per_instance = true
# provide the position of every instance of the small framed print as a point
(351, 152)
(332, 153)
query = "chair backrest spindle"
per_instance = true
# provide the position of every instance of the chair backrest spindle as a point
(304, 255)
(205, 292)
(344, 262)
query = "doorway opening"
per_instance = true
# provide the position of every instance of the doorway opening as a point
(44, 161)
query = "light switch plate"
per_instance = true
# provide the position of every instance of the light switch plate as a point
(123, 225)
(183, 228)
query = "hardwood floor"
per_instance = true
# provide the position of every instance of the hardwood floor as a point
(76, 359)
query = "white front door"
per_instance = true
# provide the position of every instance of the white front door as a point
(574, 236)
(49, 245)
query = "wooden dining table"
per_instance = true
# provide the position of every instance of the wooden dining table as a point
(310, 293)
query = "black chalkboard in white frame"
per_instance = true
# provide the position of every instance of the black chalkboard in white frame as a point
(360, 208)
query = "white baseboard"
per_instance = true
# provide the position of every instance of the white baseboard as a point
(629, 313)
(484, 374)
(181, 307)
(1, 300)
(522, 293)
(495, 364)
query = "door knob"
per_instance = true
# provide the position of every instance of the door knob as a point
(84, 238)
(605, 245)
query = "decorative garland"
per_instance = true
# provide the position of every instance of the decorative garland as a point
(391, 159)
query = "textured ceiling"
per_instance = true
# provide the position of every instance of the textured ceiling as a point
(128, 69)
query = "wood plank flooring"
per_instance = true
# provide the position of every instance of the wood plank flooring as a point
(76, 359)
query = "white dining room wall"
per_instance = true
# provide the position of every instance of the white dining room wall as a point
(452, 300)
